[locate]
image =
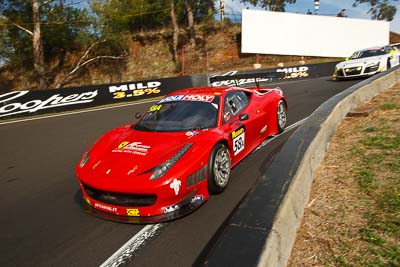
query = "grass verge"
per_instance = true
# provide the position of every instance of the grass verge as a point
(353, 218)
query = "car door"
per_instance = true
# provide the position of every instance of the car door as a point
(238, 123)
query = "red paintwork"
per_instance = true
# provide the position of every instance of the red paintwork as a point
(110, 172)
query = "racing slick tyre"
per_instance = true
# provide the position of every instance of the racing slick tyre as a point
(219, 168)
(281, 116)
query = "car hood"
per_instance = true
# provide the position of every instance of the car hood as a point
(359, 62)
(127, 152)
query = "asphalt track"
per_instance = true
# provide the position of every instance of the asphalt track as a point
(42, 223)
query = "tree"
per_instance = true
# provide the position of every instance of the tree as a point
(44, 23)
(16, 39)
(38, 56)
(379, 9)
(271, 5)
(37, 45)
(192, 34)
(122, 16)
(85, 60)
(175, 30)
(197, 11)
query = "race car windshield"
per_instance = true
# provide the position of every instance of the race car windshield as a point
(367, 53)
(178, 116)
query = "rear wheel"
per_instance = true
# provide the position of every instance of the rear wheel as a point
(219, 168)
(281, 116)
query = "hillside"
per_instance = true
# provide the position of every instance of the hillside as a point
(149, 56)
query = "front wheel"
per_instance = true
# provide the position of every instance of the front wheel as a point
(219, 168)
(281, 116)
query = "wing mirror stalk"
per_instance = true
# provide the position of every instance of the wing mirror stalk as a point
(244, 117)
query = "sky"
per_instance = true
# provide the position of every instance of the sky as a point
(327, 7)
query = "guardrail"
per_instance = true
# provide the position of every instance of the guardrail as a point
(264, 226)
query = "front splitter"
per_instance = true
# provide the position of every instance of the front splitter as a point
(182, 211)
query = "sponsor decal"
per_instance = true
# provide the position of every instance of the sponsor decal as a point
(294, 72)
(171, 208)
(175, 185)
(264, 129)
(133, 169)
(197, 198)
(238, 82)
(136, 148)
(171, 98)
(135, 89)
(35, 105)
(238, 140)
(227, 116)
(155, 108)
(200, 98)
(105, 207)
(191, 133)
(133, 212)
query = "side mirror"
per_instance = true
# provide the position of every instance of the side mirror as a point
(138, 115)
(244, 117)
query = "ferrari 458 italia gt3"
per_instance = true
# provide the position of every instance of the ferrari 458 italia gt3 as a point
(178, 152)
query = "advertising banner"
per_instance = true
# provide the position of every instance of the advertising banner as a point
(284, 33)
(287, 73)
(29, 103)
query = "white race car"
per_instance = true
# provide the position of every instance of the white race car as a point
(367, 62)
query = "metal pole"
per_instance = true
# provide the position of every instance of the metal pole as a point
(222, 10)
(316, 6)
(183, 60)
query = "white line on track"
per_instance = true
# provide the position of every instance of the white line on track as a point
(127, 251)
(78, 112)
(289, 128)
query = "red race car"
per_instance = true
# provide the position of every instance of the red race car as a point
(178, 153)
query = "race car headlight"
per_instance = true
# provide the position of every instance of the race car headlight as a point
(162, 169)
(85, 159)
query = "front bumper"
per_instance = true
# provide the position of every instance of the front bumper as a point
(356, 72)
(186, 205)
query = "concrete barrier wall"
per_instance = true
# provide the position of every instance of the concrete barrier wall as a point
(311, 141)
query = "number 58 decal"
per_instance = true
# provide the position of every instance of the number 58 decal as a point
(238, 140)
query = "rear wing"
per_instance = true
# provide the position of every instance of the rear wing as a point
(240, 78)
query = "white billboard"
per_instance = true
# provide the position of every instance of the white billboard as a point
(280, 33)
